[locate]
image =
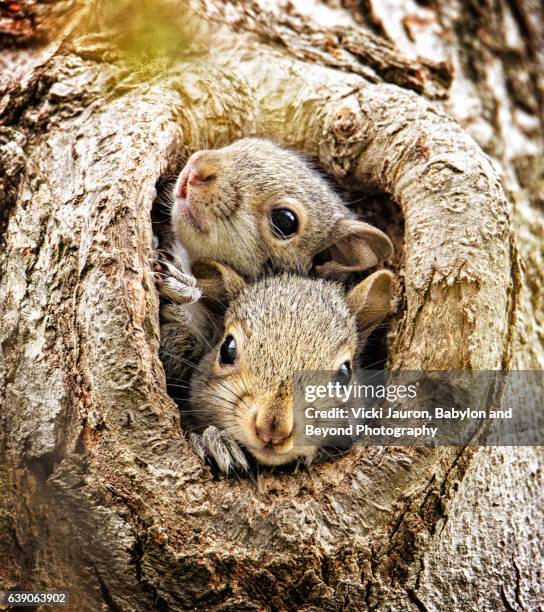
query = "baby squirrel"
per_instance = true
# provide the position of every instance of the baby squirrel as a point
(241, 394)
(259, 208)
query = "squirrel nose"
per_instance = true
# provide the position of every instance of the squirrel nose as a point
(194, 178)
(272, 435)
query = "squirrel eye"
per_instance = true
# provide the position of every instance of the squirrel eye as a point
(343, 376)
(284, 222)
(227, 352)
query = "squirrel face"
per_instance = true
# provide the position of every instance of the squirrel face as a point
(259, 207)
(274, 328)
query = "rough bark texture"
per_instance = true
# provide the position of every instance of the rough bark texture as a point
(99, 492)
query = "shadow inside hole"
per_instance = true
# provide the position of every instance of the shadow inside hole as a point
(176, 388)
(374, 353)
(160, 209)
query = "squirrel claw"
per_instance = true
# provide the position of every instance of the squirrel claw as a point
(172, 282)
(219, 447)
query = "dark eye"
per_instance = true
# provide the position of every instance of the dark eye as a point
(343, 376)
(227, 352)
(284, 222)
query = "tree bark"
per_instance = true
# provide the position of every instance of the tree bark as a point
(436, 108)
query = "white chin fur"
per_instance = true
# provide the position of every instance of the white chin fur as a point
(244, 257)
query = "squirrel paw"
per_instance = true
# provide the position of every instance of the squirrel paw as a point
(172, 282)
(219, 447)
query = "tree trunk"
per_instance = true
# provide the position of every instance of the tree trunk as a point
(99, 492)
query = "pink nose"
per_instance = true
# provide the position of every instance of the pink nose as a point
(191, 177)
(267, 435)
(194, 178)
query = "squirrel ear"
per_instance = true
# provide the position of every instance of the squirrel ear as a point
(370, 300)
(217, 280)
(360, 246)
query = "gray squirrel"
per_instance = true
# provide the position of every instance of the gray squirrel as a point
(242, 392)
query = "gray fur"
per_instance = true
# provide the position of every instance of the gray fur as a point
(247, 177)
(283, 324)
(249, 174)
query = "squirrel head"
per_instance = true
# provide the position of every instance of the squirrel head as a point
(273, 329)
(259, 207)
